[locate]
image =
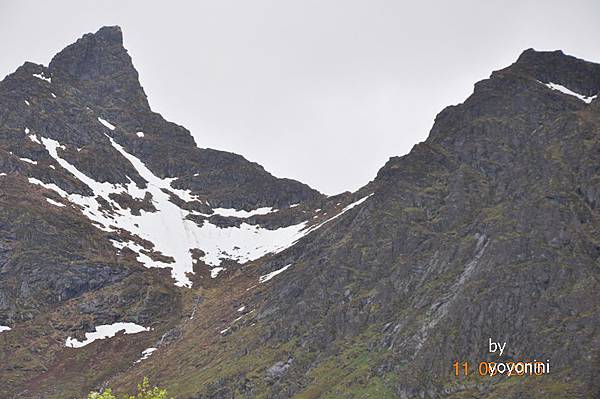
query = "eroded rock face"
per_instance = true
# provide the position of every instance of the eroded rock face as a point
(98, 66)
(66, 132)
(278, 370)
(488, 229)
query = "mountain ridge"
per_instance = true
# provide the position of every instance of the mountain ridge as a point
(367, 294)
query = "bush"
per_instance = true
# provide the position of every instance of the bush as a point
(106, 394)
(144, 391)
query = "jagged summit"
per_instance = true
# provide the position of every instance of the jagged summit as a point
(532, 89)
(110, 34)
(99, 66)
(95, 76)
(578, 75)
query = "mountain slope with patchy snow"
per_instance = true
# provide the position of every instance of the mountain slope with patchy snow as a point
(128, 251)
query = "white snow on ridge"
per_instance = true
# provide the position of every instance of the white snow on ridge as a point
(146, 354)
(31, 161)
(105, 331)
(565, 90)
(55, 203)
(346, 209)
(5, 328)
(268, 276)
(242, 214)
(34, 138)
(246, 243)
(41, 76)
(214, 272)
(106, 123)
(50, 186)
(140, 134)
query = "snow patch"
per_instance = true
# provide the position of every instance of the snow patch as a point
(146, 354)
(105, 331)
(55, 203)
(5, 328)
(246, 243)
(49, 186)
(267, 277)
(31, 161)
(140, 134)
(346, 209)
(34, 138)
(106, 123)
(214, 272)
(242, 214)
(41, 76)
(565, 90)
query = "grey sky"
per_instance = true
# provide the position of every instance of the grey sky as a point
(320, 91)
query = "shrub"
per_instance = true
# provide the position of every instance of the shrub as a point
(144, 391)
(106, 394)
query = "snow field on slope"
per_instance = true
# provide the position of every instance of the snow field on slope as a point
(146, 354)
(241, 213)
(168, 229)
(565, 90)
(268, 276)
(105, 331)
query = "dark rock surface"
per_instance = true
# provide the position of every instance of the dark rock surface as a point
(488, 229)
(53, 260)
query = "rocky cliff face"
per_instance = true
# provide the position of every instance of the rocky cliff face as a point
(262, 287)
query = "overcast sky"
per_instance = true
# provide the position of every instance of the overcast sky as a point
(320, 91)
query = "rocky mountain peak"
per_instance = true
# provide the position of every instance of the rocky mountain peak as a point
(110, 34)
(101, 69)
(557, 67)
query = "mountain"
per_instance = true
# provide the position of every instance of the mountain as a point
(217, 280)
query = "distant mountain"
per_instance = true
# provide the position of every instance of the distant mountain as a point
(128, 251)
